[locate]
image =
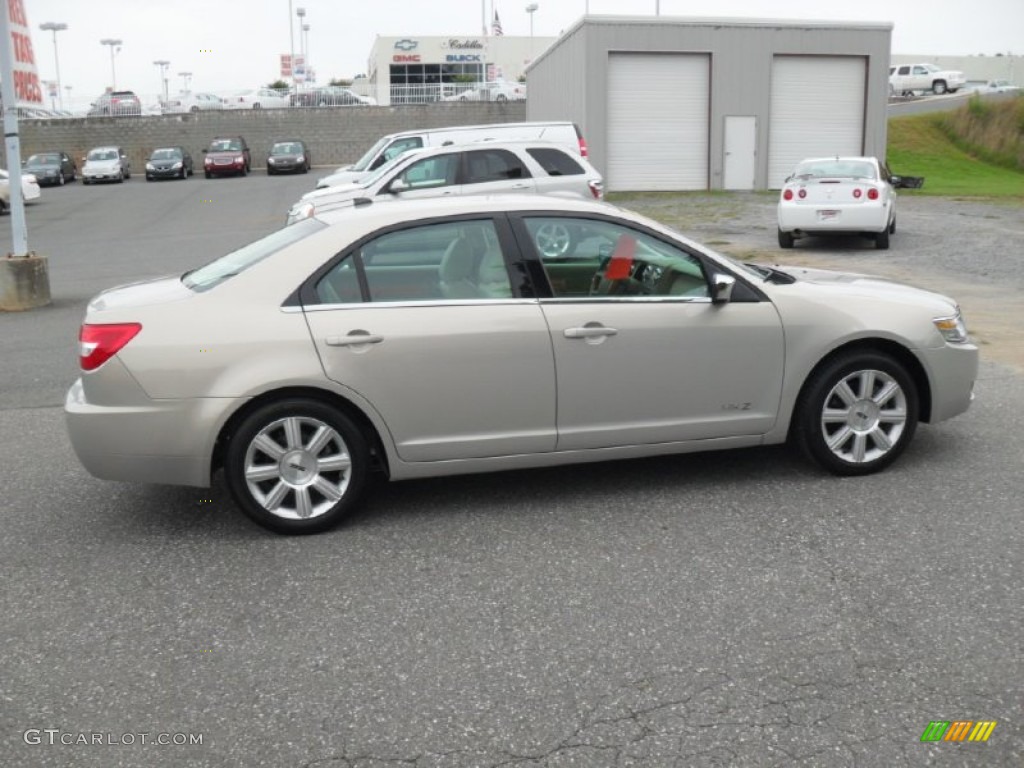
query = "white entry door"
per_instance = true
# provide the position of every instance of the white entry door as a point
(740, 152)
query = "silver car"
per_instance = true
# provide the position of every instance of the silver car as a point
(445, 336)
(483, 168)
(106, 164)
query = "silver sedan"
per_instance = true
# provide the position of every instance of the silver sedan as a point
(436, 337)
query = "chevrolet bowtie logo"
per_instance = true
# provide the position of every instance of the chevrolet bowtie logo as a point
(406, 45)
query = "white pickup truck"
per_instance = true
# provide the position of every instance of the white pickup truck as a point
(905, 79)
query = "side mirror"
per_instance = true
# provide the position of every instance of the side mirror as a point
(896, 181)
(398, 185)
(721, 290)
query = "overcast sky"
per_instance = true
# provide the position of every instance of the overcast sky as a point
(244, 37)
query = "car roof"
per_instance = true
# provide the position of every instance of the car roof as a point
(105, 146)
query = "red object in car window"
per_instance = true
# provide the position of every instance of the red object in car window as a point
(621, 263)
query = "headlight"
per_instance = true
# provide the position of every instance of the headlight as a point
(176, 166)
(300, 159)
(300, 212)
(149, 167)
(952, 328)
(271, 160)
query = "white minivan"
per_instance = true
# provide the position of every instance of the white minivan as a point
(394, 144)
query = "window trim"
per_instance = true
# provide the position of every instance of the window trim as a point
(542, 285)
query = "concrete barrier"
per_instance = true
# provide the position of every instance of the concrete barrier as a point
(335, 135)
(24, 282)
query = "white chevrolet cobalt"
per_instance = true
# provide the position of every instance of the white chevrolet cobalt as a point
(838, 195)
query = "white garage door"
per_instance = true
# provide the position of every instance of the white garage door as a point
(657, 121)
(817, 110)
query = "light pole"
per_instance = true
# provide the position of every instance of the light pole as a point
(55, 27)
(185, 77)
(531, 9)
(305, 48)
(113, 73)
(291, 41)
(163, 64)
(301, 13)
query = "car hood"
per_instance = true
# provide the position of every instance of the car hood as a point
(289, 156)
(101, 165)
(161, 290)
(329, 193)
(341, 177)
(860, 286)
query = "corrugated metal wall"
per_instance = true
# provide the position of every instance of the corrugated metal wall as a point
(572, 75)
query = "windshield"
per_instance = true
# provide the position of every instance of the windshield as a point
(43, 160)
(831, 169)
(225, 145)
(165, 154)
(286, 148)
(374, 177)
(238, 261)
(364, 162)
(103, 154)
(932, 68)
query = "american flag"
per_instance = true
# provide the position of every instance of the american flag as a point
(496, 27)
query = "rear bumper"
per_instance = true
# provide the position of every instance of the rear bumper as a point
(808, 217)
(159, 441)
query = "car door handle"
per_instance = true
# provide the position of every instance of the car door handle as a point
(353, 339)
(589, 332)
(520, 186)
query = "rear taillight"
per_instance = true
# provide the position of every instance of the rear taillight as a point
(802, 194)
(857, 193)
(787, 194)
(99, 343)
(596, 188)
(872, 194)
(583, 147)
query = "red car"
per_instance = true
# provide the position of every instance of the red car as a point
(227, 155)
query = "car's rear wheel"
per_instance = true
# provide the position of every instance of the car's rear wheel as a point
(892, 226)
(501, 97)
(3, 207)
(553, 240)
(256, 106)
(857, 413)
(785, 239)
(882, 240)
(296, 466)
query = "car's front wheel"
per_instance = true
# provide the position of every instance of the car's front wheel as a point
(296, 465)
(60, 179)
(857, 413)
(939, 87)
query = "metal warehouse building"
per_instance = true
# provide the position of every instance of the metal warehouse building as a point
(690, 104)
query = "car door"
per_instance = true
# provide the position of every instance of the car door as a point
(642, 354)
(424, 323)
(495, 171)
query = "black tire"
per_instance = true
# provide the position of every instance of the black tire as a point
(270, 171)
(148, 177)
(309, 415)
(244, 171)
(501, 97)
(785, 239)
(305, 167)
(882, 240)
(194, 109)
(3, 208)
(860, 370)
(60, 179)
(892, 226)
(256, 106)
(184, 173)
(939, 87)
(120, 177)
(208, 174)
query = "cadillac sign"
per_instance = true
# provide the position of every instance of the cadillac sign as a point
(463, 45)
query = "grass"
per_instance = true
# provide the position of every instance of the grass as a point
(918, 146)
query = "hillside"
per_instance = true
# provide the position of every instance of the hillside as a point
(977, 150)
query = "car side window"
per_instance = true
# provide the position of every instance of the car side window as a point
(920, 71)
(555, 162)
(430, 172)
(397, 147)
(904, 70)
(434, 262)
(588, 258)
(493, 165)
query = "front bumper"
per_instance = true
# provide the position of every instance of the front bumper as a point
(952, 370)
(218, 168)
(163, 173)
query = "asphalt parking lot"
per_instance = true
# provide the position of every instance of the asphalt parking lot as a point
(727, 609)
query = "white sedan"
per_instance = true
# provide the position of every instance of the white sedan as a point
(838, 195)
(262, 98)
(29, 189)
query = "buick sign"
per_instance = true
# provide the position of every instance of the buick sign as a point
(406, 45)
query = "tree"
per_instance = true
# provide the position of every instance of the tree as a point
(278, 85)
(344, 81)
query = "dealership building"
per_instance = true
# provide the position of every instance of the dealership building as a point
(690, 104)
(418, 69)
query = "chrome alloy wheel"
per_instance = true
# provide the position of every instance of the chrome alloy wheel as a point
(864, 416)
(553, 240)
(297, 467)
